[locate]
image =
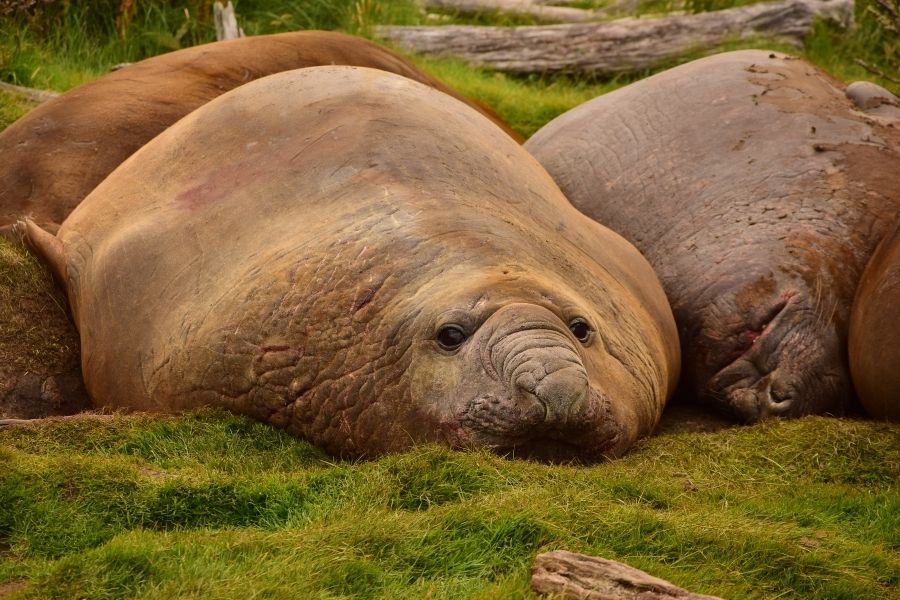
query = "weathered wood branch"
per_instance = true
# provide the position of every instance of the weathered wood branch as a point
(620, 45)
(584, 577)
(226, 23)
(29, 94)
(524, 8)
(875, 70)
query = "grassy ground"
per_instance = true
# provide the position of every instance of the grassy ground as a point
(211, 505)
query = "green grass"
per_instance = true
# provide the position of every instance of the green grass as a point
(212, 505)
(11, 108)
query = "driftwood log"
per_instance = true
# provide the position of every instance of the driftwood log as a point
(538, 11)
(616, 46)
(582, 577)
(226, 22)
(28, 94)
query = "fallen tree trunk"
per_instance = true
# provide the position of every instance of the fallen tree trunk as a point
(29, 94)
(522, 8)
(616, 46)
(582, 577)
(226, 22)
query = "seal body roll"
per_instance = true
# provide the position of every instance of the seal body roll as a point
(874, 347)
(60, 151)
(370, 264)
(757, 190)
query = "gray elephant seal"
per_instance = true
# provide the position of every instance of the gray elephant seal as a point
(56, 154)
(757, 190)
(874, 346)
(370, 264)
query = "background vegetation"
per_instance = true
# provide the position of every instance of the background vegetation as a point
(57, 44)
(214, 506)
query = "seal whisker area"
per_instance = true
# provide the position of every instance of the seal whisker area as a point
(432, 299)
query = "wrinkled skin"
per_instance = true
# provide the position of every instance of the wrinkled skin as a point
(370, 264)
(56, 154)
(874, 346)
(757, 190)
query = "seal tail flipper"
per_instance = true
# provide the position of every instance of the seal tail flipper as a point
(47, 246)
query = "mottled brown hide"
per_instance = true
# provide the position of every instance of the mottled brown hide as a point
(875, 331)
(55, 155)
(383, 267)
(757, 189)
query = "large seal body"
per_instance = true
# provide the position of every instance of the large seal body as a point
(369, 263)
(55, 155)
(757, 190)
(874, 347)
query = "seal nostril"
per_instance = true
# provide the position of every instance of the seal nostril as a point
(527, 382)
(564, 394)
(745, 404)
(779, 398)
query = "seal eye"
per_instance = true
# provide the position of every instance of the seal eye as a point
(580, 329)
(451, 337)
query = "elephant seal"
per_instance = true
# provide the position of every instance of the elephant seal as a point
(370, 264)
(874, 346)
(56, 154)
(757, 190)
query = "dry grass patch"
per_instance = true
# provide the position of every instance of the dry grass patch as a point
(39, 359)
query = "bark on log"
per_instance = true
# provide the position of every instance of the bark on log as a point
(226, 23)
(616, 46)
(524, 8)
(584, 577)
(29, 94)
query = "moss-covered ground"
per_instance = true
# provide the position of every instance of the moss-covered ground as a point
(214, 506)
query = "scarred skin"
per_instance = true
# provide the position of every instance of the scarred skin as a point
(55, 155)
(874, 346)
(298, 249)
(757, 190)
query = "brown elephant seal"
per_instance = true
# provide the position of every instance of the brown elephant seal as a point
(758, 191)
(56, 154)
(370, 264)
(874, 346)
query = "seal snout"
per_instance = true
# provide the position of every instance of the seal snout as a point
(769, 397)
(537, 359)
(563, 392)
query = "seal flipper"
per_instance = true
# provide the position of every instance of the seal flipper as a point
(47, 246)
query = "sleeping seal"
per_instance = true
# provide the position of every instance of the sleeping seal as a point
(370, 264)
(757, 190)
